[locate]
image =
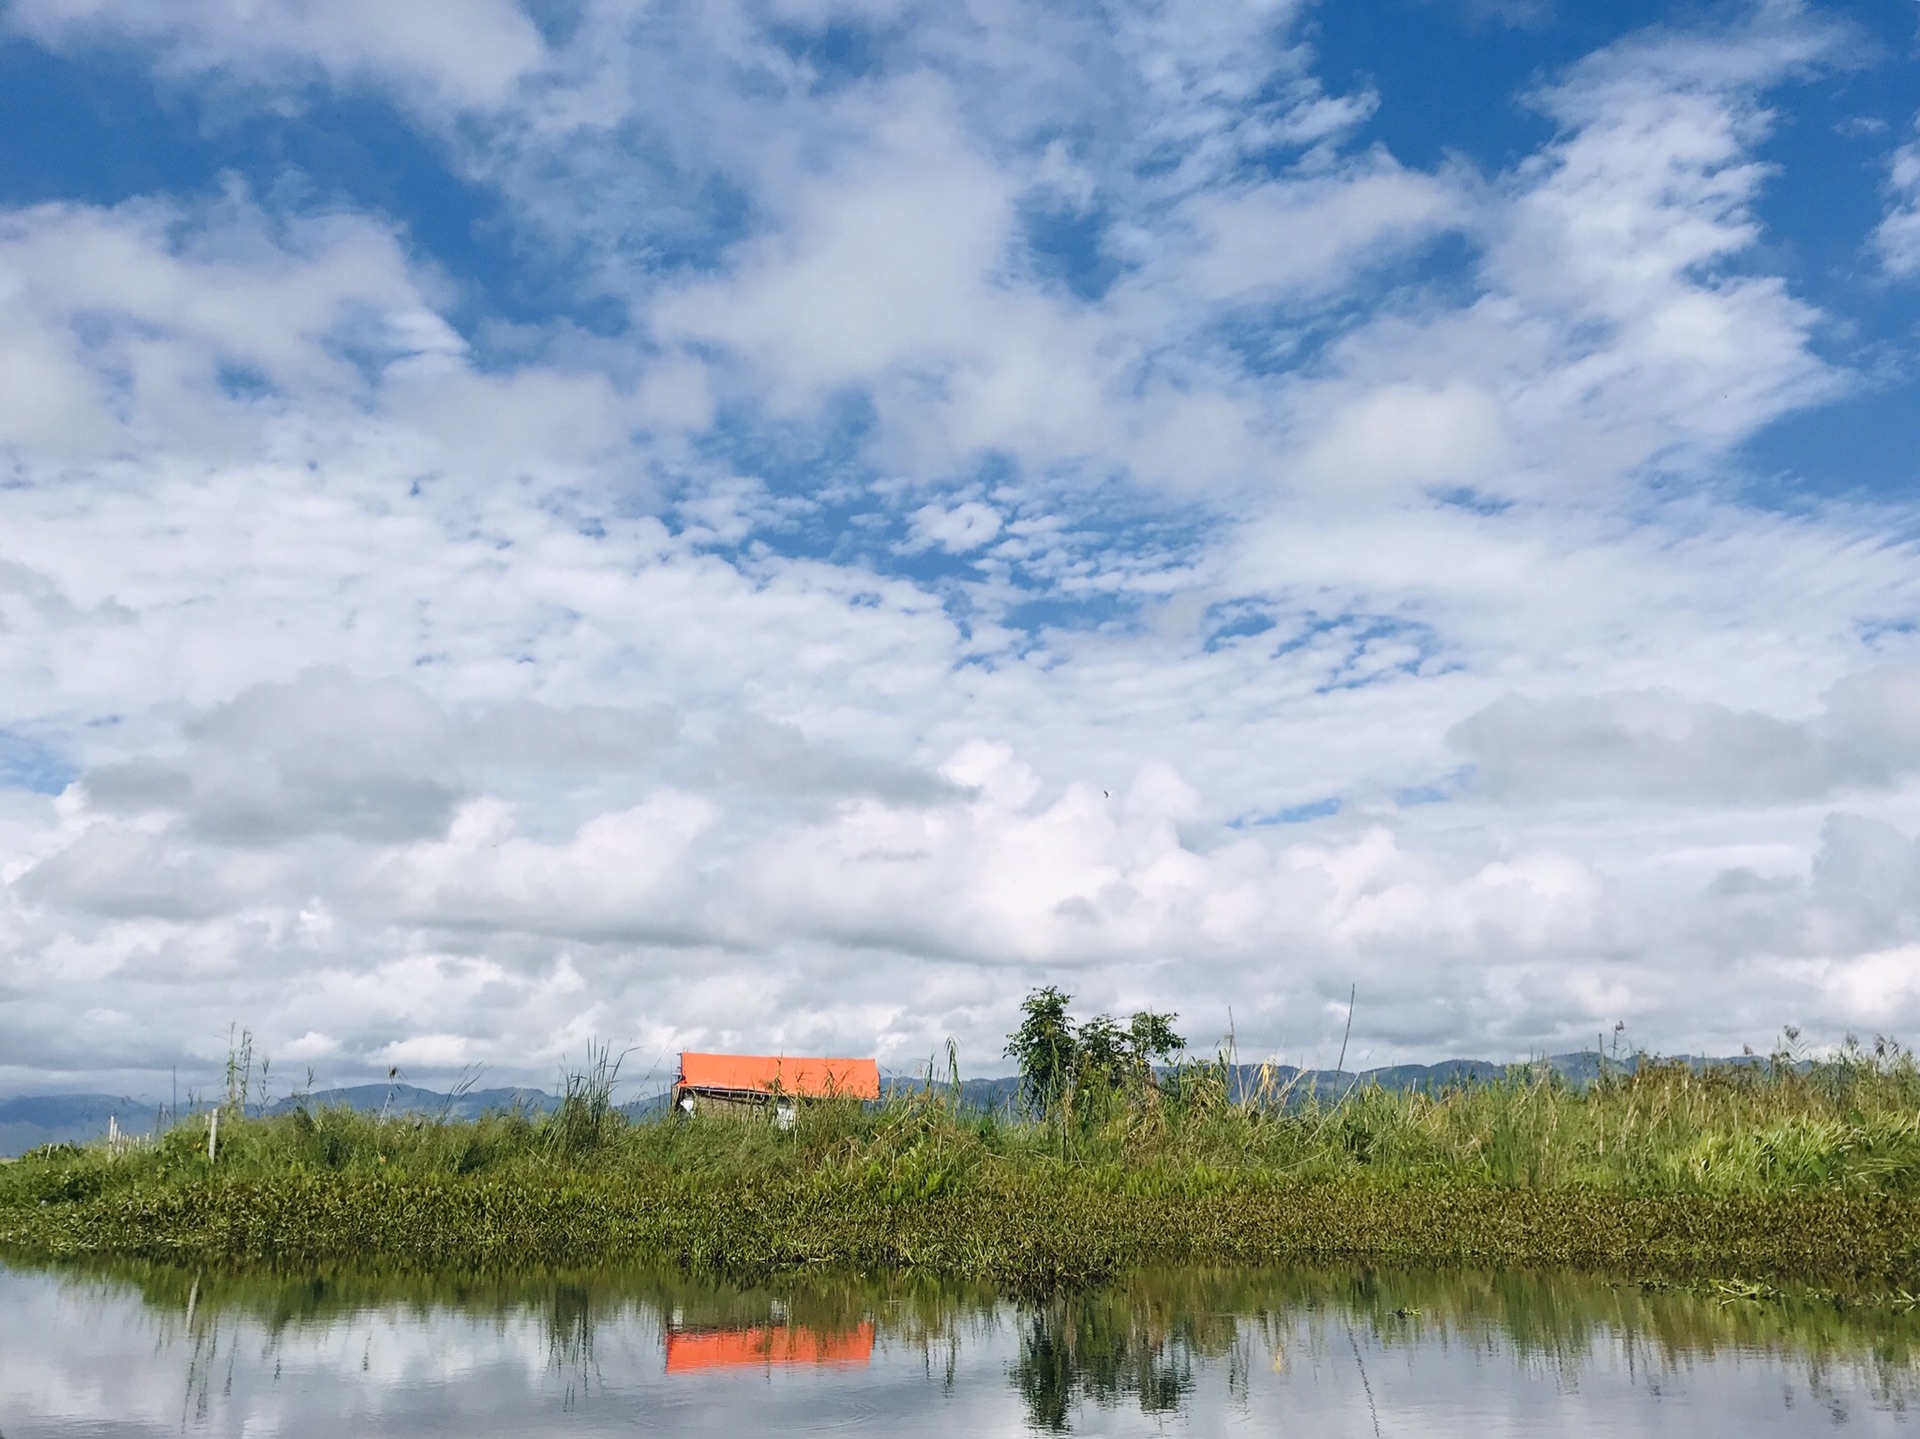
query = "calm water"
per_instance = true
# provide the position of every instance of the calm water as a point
(1302, 1352)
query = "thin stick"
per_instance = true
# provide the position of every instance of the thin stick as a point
(1341, 1066)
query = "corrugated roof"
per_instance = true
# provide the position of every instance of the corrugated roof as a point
(775, 1344)
(785, 1074)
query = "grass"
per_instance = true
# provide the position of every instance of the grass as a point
(1764, 1173)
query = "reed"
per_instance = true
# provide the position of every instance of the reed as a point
(1777, 1169)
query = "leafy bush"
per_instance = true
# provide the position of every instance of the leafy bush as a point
(1084, 1069)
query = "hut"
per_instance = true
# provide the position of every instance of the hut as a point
(765, 1085)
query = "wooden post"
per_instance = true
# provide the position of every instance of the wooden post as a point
(213, 1133)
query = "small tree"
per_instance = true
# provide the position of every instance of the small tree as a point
(1150, 1037)
(1067, 1064)
(1044, 1048)
(1103, 1060)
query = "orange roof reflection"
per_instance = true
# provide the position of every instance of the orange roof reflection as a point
(691, 1349)
(787, 1074)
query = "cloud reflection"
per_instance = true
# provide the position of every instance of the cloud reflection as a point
(148, 1351)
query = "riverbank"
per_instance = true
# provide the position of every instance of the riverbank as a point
(1030, 1231)
(1662, 1175)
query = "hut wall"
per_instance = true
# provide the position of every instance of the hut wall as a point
(755, 1108)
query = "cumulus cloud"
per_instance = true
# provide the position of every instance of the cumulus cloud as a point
(1312, 569)
(1878, 711)
(1655, 745)
(324, 753)
(323, 756)
(779, 759)
(1658, 745)
(884, 262)
(148, 317)
(1652, 746)
(959, 528)
(627, 875)
(123, 872)
(222, 329)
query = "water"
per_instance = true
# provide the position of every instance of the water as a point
(1325, 1353)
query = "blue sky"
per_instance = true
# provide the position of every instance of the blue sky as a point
(782, 525)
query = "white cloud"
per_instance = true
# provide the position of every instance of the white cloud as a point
(877, 267)
(956, 529)
(1878, 712)
(468, 53)
(142, 317)
(325, 754)
(1309, 235)
(1897, 237)
(1407, 435)
(447, 698)
(1655, 746)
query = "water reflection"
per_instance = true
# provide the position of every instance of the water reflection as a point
(693, 1349)
(1100, 1349)
(138, 1350)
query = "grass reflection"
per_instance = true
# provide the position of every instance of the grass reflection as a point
(1142, 1342)
(1139, 1341)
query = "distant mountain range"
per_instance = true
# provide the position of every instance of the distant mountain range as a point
(406, 1099)
(33, 1120)
(1278, 1080)
(29, 1121)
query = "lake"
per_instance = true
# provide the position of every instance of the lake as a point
(138, 1351)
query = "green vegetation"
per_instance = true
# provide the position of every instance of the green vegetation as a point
(1762, 1172)
(1073, 1071)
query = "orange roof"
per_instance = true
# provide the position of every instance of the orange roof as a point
(784, 1074)
(782, 1344)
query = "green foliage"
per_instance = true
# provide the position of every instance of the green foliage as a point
(1085, 1070)
(1769, 1170)
(1045, 1049)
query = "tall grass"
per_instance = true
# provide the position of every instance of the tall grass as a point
(1771, 1168)
(586, 1120)
(1851, 1122)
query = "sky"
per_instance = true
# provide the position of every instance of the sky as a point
(781, 525)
